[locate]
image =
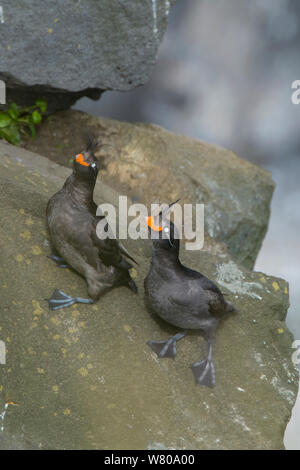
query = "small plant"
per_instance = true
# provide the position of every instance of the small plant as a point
(16, 121)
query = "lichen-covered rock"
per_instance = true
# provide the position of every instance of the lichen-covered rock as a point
(84, 377)
(149, 163)
(74, 48)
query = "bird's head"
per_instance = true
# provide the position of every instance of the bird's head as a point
(164, 233)
(86, 164)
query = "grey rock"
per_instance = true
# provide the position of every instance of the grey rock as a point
(79, 48)
(8, 442)
(84, 377)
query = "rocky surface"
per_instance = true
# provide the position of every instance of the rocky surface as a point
(84, 377)
(80, 48)
(149, 163)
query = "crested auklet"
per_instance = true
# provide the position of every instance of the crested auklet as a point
(181, 296)
(72, 222)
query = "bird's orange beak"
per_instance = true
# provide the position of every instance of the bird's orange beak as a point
(150, 223)
(80, 159)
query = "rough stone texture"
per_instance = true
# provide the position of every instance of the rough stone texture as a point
(85, 378)
(76, 46)
(150, 163)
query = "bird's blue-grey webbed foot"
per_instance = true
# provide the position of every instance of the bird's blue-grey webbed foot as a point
(59, 261)
(166, 348)
(61, 300)
(204, 371)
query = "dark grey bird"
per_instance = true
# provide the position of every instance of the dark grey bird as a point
(181, 296)
(72, 224)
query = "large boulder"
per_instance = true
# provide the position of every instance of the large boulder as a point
(78, 48)
(149, 163)
(84, 377)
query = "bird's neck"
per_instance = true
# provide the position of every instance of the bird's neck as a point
(80, 189)
(162, 259)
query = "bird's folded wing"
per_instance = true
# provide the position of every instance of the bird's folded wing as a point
(110, 250)
(190, 295)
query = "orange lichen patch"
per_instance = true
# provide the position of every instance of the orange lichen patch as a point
(133, 273)
(83, 371)
(80, 159)
(38, 310)
(55, 321)
(127, 328)
(150, 223)
(26, 235)
(36, 250)
(29, 221)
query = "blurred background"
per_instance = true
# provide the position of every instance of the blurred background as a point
(224, 75)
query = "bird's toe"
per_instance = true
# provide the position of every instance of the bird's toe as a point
(60, 300)
(59, 261)
(163, 348)
(204, 373)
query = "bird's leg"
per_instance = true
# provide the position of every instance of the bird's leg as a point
(204, 371)
(61, 300)
(166, 348)
(58, 260)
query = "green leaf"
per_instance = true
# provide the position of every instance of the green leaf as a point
(13, 114)
(17, 120)
(24, 119)
(42, 104)
(14, 111)
(5, 119)
(36, 117)
(11, 134)
(32, 128)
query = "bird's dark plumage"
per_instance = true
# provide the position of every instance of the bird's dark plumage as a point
(72, 224)
(182, 297)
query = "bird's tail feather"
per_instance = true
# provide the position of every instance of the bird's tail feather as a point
(132, 285)
(230, 308)
(125, 253)
(127, 281)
